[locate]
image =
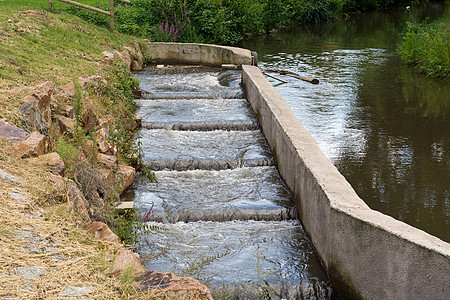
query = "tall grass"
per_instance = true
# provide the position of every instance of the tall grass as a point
(427, 46)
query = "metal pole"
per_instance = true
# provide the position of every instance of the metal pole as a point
(111, 15)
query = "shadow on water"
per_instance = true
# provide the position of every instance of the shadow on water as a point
(385, 126)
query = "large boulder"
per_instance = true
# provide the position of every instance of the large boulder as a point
(126, 259)
(102, 232)
(36, 110)
(33, 145)
(12, 133)
(125, 177)
(170, 286)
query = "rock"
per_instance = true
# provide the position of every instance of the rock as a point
(65, 92)
(94, 80)
(102, 137)
(125, 177)
(127, 259)
(105, 122)
(33, 146)
(37, 143)
(174, 287)
(42, 94)
(12, 133)
(67, 111)
(108, 55)
(102, 232)
(30, 272)
(65, 124)
(33, 117)
(89, 120)
(72, 292)
(108, 175)
(125, 57)
(54, 161)
(9, 177)
(136, 66)
(109, 161)
(77, 201)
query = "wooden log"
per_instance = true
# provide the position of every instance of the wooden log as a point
(312, 80)
(274, 77)
(292, 74)
(125, 1)
(86, 6)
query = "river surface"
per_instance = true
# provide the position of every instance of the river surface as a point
(385, 127)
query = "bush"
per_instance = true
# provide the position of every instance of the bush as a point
(427, 46)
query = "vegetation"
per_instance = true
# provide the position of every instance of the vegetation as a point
(427, 46)
(37, 45)
(220, 21)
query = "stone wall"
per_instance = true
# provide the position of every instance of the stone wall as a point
(367, 254)
(195, 54)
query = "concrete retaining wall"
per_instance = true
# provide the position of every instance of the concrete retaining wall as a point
(196, 54)
(367, 254)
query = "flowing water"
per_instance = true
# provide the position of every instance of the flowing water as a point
(220, 212)
(385, 127)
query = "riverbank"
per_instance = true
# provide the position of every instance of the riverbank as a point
(427, 46)
(66, 122)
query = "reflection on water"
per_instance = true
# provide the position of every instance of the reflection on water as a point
(384, 126)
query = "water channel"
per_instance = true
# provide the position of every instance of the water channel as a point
(385, 127)
(221, 212)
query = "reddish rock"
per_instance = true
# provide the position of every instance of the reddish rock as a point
(126, 259)
(73, 194)
(109, 161)
(42, 93)
(65, 92)
(108, 175)
(136, 66)
(55, 163)
(125, 177)
(65, 124)
(125, 57)
(12, 133)
(102, 232)
(102, 137)
(67, 111)
(37, 143)
(33, 145)
(173, 287)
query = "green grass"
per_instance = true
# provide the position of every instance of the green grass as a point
(38, 45)
(427, 46)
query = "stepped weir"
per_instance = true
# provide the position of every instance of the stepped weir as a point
(226, 215)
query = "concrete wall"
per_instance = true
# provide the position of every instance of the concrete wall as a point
(195, 54)
(367, 254)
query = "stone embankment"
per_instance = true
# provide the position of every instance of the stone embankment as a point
(46, 111)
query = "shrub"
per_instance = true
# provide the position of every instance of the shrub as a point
(427, 46)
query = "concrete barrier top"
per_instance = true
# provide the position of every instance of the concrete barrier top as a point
(367, 254)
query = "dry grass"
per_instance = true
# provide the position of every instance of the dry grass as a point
(50, 238)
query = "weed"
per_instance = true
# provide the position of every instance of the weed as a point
(67, 151)
(427, 46)
(196, 267)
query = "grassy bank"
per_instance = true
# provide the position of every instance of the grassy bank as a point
(36, 46)
(427, 46)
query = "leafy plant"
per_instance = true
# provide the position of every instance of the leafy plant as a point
(427, 46)
(196, 267)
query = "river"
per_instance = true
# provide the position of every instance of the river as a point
(384, 126)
